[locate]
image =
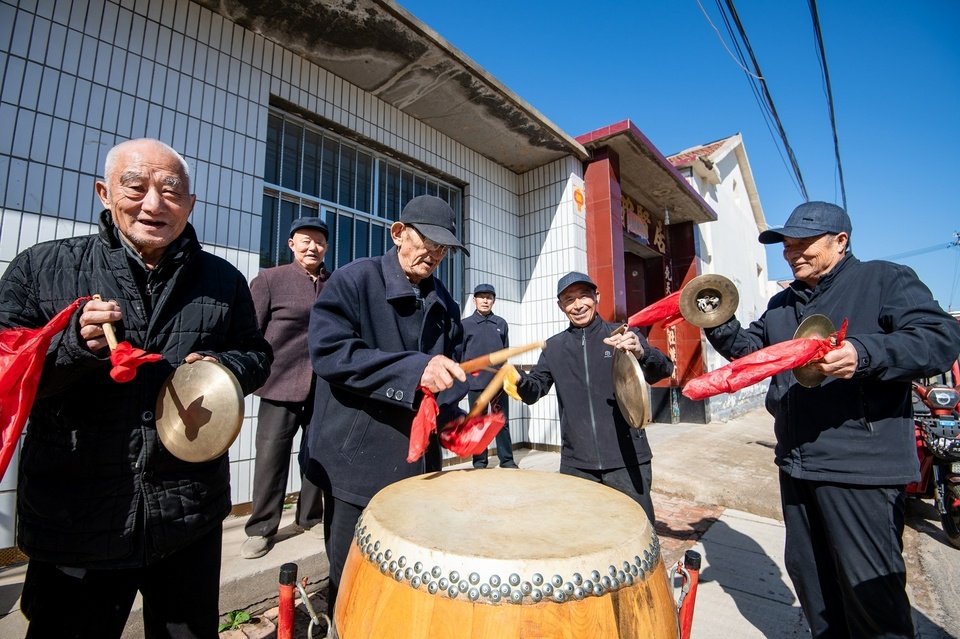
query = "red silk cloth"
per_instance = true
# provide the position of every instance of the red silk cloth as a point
(762, 364)
(125, 359)
(467, 438)
(22, 351)
(667, 309)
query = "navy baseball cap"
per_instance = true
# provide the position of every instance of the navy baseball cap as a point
(485, 288)
(808, 220)
(434, 218)
(572, 278)
(310, 223)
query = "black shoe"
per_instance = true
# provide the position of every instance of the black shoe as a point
(479, 466)
(509, 464)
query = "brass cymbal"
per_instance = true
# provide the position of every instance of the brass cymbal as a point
(630, 388)
(709, 300)
(199, 411)
(814, 326)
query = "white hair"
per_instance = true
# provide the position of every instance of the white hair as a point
(110, 164)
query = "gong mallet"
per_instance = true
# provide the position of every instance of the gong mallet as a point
(497, 357)
(494, 387)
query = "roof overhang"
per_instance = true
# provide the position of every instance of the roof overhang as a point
(384, 50)
(647, 176)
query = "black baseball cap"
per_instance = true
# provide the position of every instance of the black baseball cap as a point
(808, 220)
(434, 218)
(309, 223)
(485, 288)
(572, 278)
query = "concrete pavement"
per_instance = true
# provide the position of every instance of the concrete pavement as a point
(715, 490)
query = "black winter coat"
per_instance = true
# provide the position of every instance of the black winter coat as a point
(594, 432)
(368, 372)
(859, 430)
(96, 488)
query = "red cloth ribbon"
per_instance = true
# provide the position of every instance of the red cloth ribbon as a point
(22, 351)
(423, 425)
(125, 359)
(762, 364)
(667, 309)
(472, 436)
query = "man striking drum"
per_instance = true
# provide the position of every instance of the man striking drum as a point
(598, 443)
(381, 329)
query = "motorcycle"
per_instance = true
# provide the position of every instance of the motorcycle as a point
(937, 427)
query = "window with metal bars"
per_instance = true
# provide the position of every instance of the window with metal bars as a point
(311, 172)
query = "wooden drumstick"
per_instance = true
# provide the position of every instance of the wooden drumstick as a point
(494, 387)
(497, 357)
(108, 331)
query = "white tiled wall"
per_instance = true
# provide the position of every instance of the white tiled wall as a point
(78, 77)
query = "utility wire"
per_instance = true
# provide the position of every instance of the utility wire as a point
(826, 80)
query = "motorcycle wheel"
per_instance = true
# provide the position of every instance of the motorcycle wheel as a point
(951, 518)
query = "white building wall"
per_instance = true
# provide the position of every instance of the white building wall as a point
(79, 77)
(729, 247)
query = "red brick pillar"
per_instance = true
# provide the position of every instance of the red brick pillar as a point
(605, 233)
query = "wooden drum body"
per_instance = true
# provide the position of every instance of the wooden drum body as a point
(504, 554)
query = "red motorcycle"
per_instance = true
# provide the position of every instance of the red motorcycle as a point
(937, 427)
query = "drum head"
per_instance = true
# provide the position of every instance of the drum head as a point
(199, 411)
(630, 388)
(815, 326)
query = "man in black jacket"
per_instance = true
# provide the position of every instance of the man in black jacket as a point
(598, 443)
(103, 509)
(846, 447)
(381, 329)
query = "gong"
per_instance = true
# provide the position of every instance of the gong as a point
(709, 300)
(630, 388)
(199, 411)
(815, 326)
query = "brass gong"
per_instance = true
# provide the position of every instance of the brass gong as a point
(199, 411)
(630, 388)
(815, 326)
(709, 300)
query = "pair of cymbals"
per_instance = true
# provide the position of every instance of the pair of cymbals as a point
(814, 327)
(709, 300)
(199, 411)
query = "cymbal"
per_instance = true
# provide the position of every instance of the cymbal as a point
(630, 388)
(199, 411)
(814, 326)
(709, 300)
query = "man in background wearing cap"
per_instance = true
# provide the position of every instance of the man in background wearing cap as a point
(846, 447)
(382, 329)
(283, 297)
(597, 442)
(483, 333)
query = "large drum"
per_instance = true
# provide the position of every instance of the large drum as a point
(511, 554)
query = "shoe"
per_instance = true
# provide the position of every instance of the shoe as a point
(479, 466)
(255, 547)
(509, 464)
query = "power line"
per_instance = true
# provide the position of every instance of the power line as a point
(826, 80)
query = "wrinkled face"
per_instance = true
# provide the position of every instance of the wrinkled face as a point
(484, 302)
(148, 197)
(308, 246)
(579, 303)
(812, 257)
(419, 257)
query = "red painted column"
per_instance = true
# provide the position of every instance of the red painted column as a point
(605, 233)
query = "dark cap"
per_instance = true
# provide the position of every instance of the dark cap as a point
(310, 223)
(434, 218)
(572, 278)
(808, 220)
(485, 288)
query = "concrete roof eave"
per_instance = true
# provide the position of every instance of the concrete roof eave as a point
(384, 50)
(647, 176)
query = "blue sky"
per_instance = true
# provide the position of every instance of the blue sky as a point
(894, 70)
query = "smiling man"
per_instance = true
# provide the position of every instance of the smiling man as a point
(382, 329)
(846, 447)
(597, 442)
(103, 509)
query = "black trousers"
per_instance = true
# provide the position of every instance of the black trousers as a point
(844, 553)
(181, 595)
(339, 526)
(504, 443)
(277, 425)
(632, 481)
